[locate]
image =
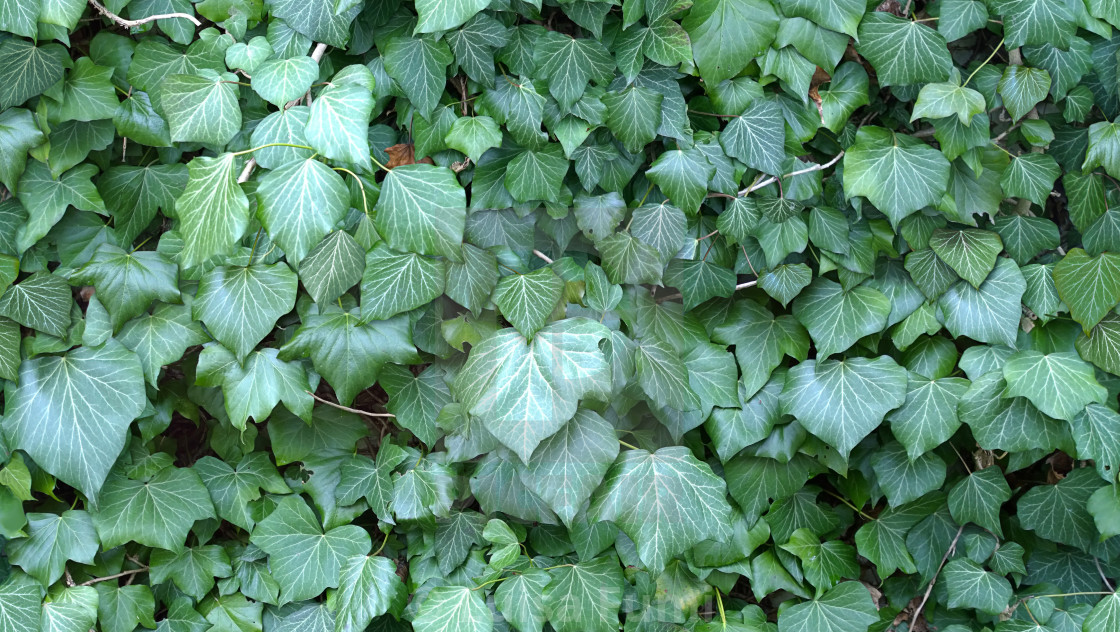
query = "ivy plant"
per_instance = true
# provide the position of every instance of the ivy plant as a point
(570, 315)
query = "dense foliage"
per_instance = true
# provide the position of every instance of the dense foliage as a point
(460, 315)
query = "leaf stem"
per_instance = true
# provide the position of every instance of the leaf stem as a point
(383, 543)
(983, 64)
(492, 581)
(929, 589)
(771, 180)
(849, 504)
(361, 185)
(249, 151)
(632, 447)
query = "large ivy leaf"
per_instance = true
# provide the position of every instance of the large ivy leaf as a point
(1058, 384)
(41, 301)
(317, 19)
(279, 81)
(128, 283)
(683, 175)
(970, 586)
(928, 417)
(254, 385)
(903, 52)
(666, 502)
(989, 313)
(161, 338)
(1090, 286)
(449, 608)
(213, 210)
(585, 596)
(757, 137)
(393, 283)
(422, 209)
(71, 413)
(158, 512)
(333, 266)
(842, 401)
(569, 63)
(726, 35)
(368, 588)
(979, 497)
(240, 305)
(837, 318)
(525, 391)
(303, 558)
(299, 203)
(27, 70)
(232, 489)
(568, 466)
(201, 108)
(349, 353)
(848, 602)
(1059, 513)
(899, 174)
(418, 64)
(46, 198)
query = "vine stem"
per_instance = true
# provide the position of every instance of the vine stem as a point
(134, 23)
(771, 180)
(673, 297)
(543, 257)
(347, 408)
(383, 543)
(983, 64)
(929, 589)
(632, 447)
(849, 505)
(361, 185)
(130, 573)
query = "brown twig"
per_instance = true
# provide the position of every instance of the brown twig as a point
(929, 589)
(134, 23)
(771, 180)
(130, 573)
(247, 171)
(543, 257)
(347, 408)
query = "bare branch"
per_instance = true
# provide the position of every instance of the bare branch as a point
(929, 589)
(543, 257)
(130, 573)
(247, 171)
(758, 185)
(347, 408)
(134, 23)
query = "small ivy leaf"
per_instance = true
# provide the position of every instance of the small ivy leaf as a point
(520, 599)
(419, 65)
(471, 282)
(1104, 148)
(842, 401)
(422, 209)
(280, 81)
(254, 385)
(699, 281)
(783, 283)
(537, 174)
(633, 115)
(161, 338)
(54, 539)
(663, 376)
(836, 318)
(962, 17)
(970, 252)
(989, 313)
(938, 100)
(1090, 286)
(73, 609)
(248, 56)
(193, 569)
(1022, 88)
(979, 497)
(416, 400)
(454, 537)
(47, 198)
(528, 300)
(473, 135)
(824, 563)
(757, 137)
(317, 20)
(683, 175)
(128, 283)
(899, 174)
(904, 479)
(569, 63)
(627, 260)
(240, 305)
(1096, 431)
(133, 195)
(304, 559)
(338, 123)
(368, 588)
(903, 52)
(424, 492)
(970, 586)
(122, 608)
(27, 70)
(41, 301)
(1025, 237)
(232, 489)
(158, 512)
(333, 266)
(361, 477)
(928, 418)
(231, 613)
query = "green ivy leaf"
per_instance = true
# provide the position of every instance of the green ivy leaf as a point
(192, 569)
(842, 401)
(255, 384)
(899, 174)
(393, 283)
(201, 108)
(683, 175)
(903, 52)
(847, 601)
(520, 599)
(837, 318)
(368, 588)
(473, 135)
(213, 210)
(418, 65)
(304, 559)
(979, 497)
(233, 489)
(757, 137)
(585, 596)
(524, 392)
(240, 305)
(333, 266)
(1090, 286)
(727, 35)
(158, 512)
(938, 100)
(128, 283)
(338, 123)
(41, 301)
(989, 313)
(970, 586)
(1059, 513)
(28, 70)
(970, 252)
(299, 203)
(54, 539)
(1059, 384)
(928, 417)
(77, 438)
